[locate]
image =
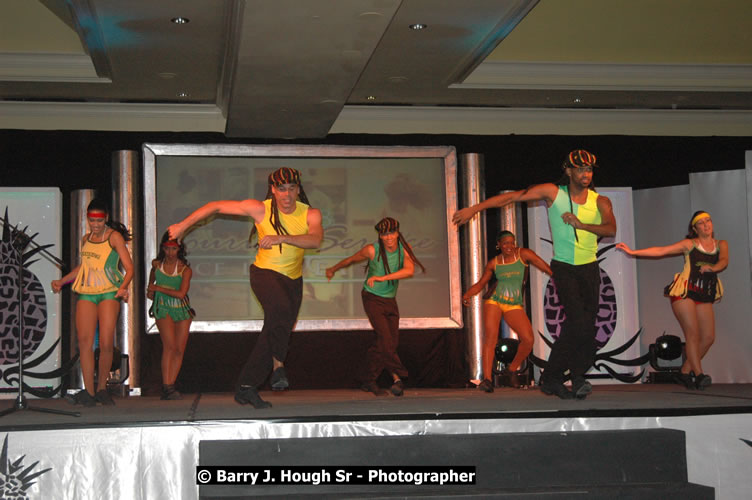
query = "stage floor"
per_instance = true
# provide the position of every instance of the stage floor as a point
(622, 400)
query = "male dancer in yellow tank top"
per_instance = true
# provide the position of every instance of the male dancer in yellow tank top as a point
(578, 216)
(286, 228)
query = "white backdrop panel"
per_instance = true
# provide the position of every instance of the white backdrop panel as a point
(39, 209)
(724, 195)
(661, 218)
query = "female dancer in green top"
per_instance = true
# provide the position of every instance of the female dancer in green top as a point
(169, 281)
(389, 260)
(510, 268)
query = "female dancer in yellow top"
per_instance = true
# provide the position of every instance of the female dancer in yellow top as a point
(100, 287)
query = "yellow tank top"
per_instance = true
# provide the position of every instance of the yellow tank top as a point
(290, 261)
(99, 271)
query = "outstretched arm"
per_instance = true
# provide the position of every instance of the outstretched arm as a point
(312, 239)
(250, 208)
(677, 248)
(482, 282)
(538, 192)
(532, 258)
(365, 253)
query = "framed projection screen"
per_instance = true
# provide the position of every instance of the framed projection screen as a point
(353, 186)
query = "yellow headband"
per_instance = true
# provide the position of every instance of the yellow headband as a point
(699, 216)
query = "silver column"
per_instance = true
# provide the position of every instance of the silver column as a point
(128, 209)
(79, 201)
(508, 217)
(474, 258)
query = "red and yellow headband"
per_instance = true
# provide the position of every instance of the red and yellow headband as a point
(171, 243)
(697, 218)
(96, 214)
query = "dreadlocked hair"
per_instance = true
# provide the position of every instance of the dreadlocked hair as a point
(389, 225)
(99, 204)
(283, 175)
(564, 180)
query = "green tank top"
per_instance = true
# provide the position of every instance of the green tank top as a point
(386, 289)
(567, 249)
(509, 279)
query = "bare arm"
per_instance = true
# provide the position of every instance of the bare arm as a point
(482, 282)
(250, 208)
(185, 284)
(531, 257)
(723, 259)
(58, 285)
(538, 192)
(607, 227)
(152, 277)
(675, 249)
(312, 239)
(365, 253)
(407, 270)
(118, 243)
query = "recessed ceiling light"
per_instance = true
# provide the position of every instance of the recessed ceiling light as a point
(371, 98)
(180, 20)
(183, 94)
(167, 75)
(418, 26)
(577, 100)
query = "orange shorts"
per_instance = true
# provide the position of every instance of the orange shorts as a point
(504, 307)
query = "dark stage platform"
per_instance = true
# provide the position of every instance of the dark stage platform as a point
(156, 446)
(638, 400)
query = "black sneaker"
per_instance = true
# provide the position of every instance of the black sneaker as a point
(685, 379)
(486, 385)
(169, 393)
(555, 389)
(103, 397)
(703, 381)
(249, 395)
(397, 388)
(372, 387)
(581, 388)
(82, 398)
(278, 380)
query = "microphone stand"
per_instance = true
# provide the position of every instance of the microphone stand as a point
(20, 241)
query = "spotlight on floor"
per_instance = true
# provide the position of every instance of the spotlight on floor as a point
(666, 348)
(506, 350)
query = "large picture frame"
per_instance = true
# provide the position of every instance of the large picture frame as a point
(424, 170)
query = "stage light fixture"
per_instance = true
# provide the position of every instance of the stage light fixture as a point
(665, 348)
(506, 350)
(668, 347)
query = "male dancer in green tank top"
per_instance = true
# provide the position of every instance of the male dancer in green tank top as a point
(578, 216)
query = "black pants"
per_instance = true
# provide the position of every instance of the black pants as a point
(383, 314)
(578, 289)
(280, 297)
